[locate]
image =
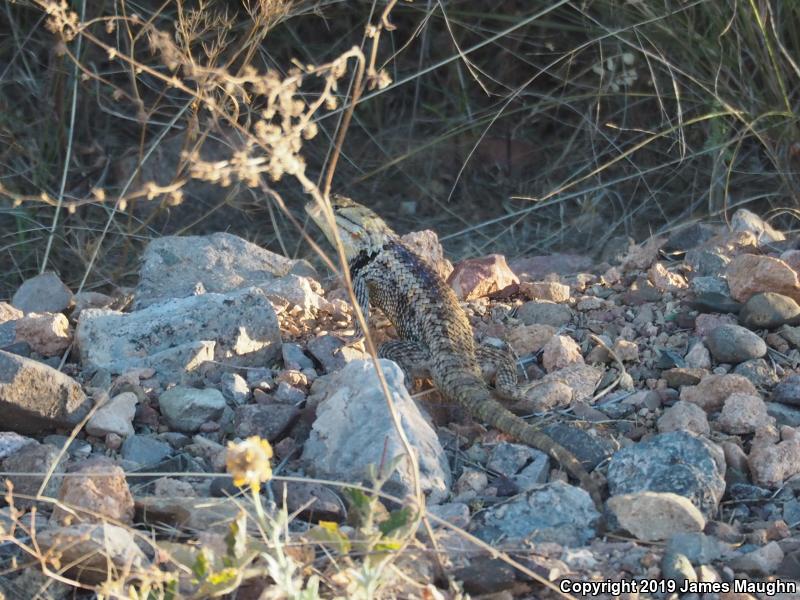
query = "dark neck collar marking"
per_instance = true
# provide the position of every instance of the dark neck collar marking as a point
(361, 260)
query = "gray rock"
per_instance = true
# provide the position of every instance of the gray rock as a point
(295, 358)
(186, 409)
(332, 352)
(788, 391)
(734, 344)
(77, 448)
(790, 334)
(11, 442)
(265, 420)
(696, 546)
(712, 302)
(545, 313)
(652, 516)
(784, 415)
(710, 285)
(353, 430)
(43, 293)
(145, 450)
(758, 371)
(678, 462)
(688, 237)
(235, 388)
(791, 513)
(769, 310)
(705, 262)
(555, 512)
(588, 449)
(116, 416)
(678, 568)
(32, 458)
(177, 267)
(762, 561)
(34, 396)
(508, 459)
(241, 328)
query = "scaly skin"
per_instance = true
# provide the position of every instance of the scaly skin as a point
(433, 328)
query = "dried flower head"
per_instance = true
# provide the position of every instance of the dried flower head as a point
(248, 462)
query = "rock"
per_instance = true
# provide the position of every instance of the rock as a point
(678, 568)
(471, 483)
(44, 293)
(11, 443)
(268, 421)
(684, 416)
(295, 358)
(744, 220)
(697, 547)
(552, 291)
(177, 266)
(477, 277)
(455, 513)
(116, 416)
(544, 397)
(760, 562)
(9, 313)
(791, 335)
(34, 396)
(559, 352)
(425, 244)
(681, 376)
(652, 516)
(677, 462)
(486, 577)
(582, 379)
(705, 324)
(94, 552)
(526, 467)
(47, 333)
(735, 344)
(32, 458)
(688, 237)
(94, 492)
(186, 409)
(698, 357)
(750, 274)
(706, 262)
(744, 413)
(145, 450)
(353, 430)
(310, 501)
(771, 465)
(536, 268)
(544, 313)
(768, 310)
(710, 394)
(665, 280)
(529, 339)
(711, 285)
(760, 373)
(234, 387)
(788, 391)
(84, 300)
(783, 414)
(241, 329)
(333, 353)
(555, 512)
(76, 448)
(590, 450)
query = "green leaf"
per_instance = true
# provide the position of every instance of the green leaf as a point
(397, 519)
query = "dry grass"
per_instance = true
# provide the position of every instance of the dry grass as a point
(515, 127)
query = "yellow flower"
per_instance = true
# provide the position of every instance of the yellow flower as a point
(248, 462)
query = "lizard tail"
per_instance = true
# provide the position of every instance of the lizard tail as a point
(472, 394)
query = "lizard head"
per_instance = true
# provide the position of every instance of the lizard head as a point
(360, 229)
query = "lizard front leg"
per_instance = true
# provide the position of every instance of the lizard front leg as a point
(412, 357)
(361, 292)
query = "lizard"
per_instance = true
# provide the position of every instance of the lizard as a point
(433, 328)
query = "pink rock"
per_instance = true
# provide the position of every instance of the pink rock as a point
(545, 290)
(772, 465)
(477, 277)
(684, 416)
(46, 333)
(533, 268)
(527, 339)
(641, 256)
(710, 394)
(626, 351)
(750, 274)
(559, 352)
(743, 413)
(97, 489)
(665, 280)
(426, 244)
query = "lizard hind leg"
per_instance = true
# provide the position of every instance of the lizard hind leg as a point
(500, 364)
(412, 357)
